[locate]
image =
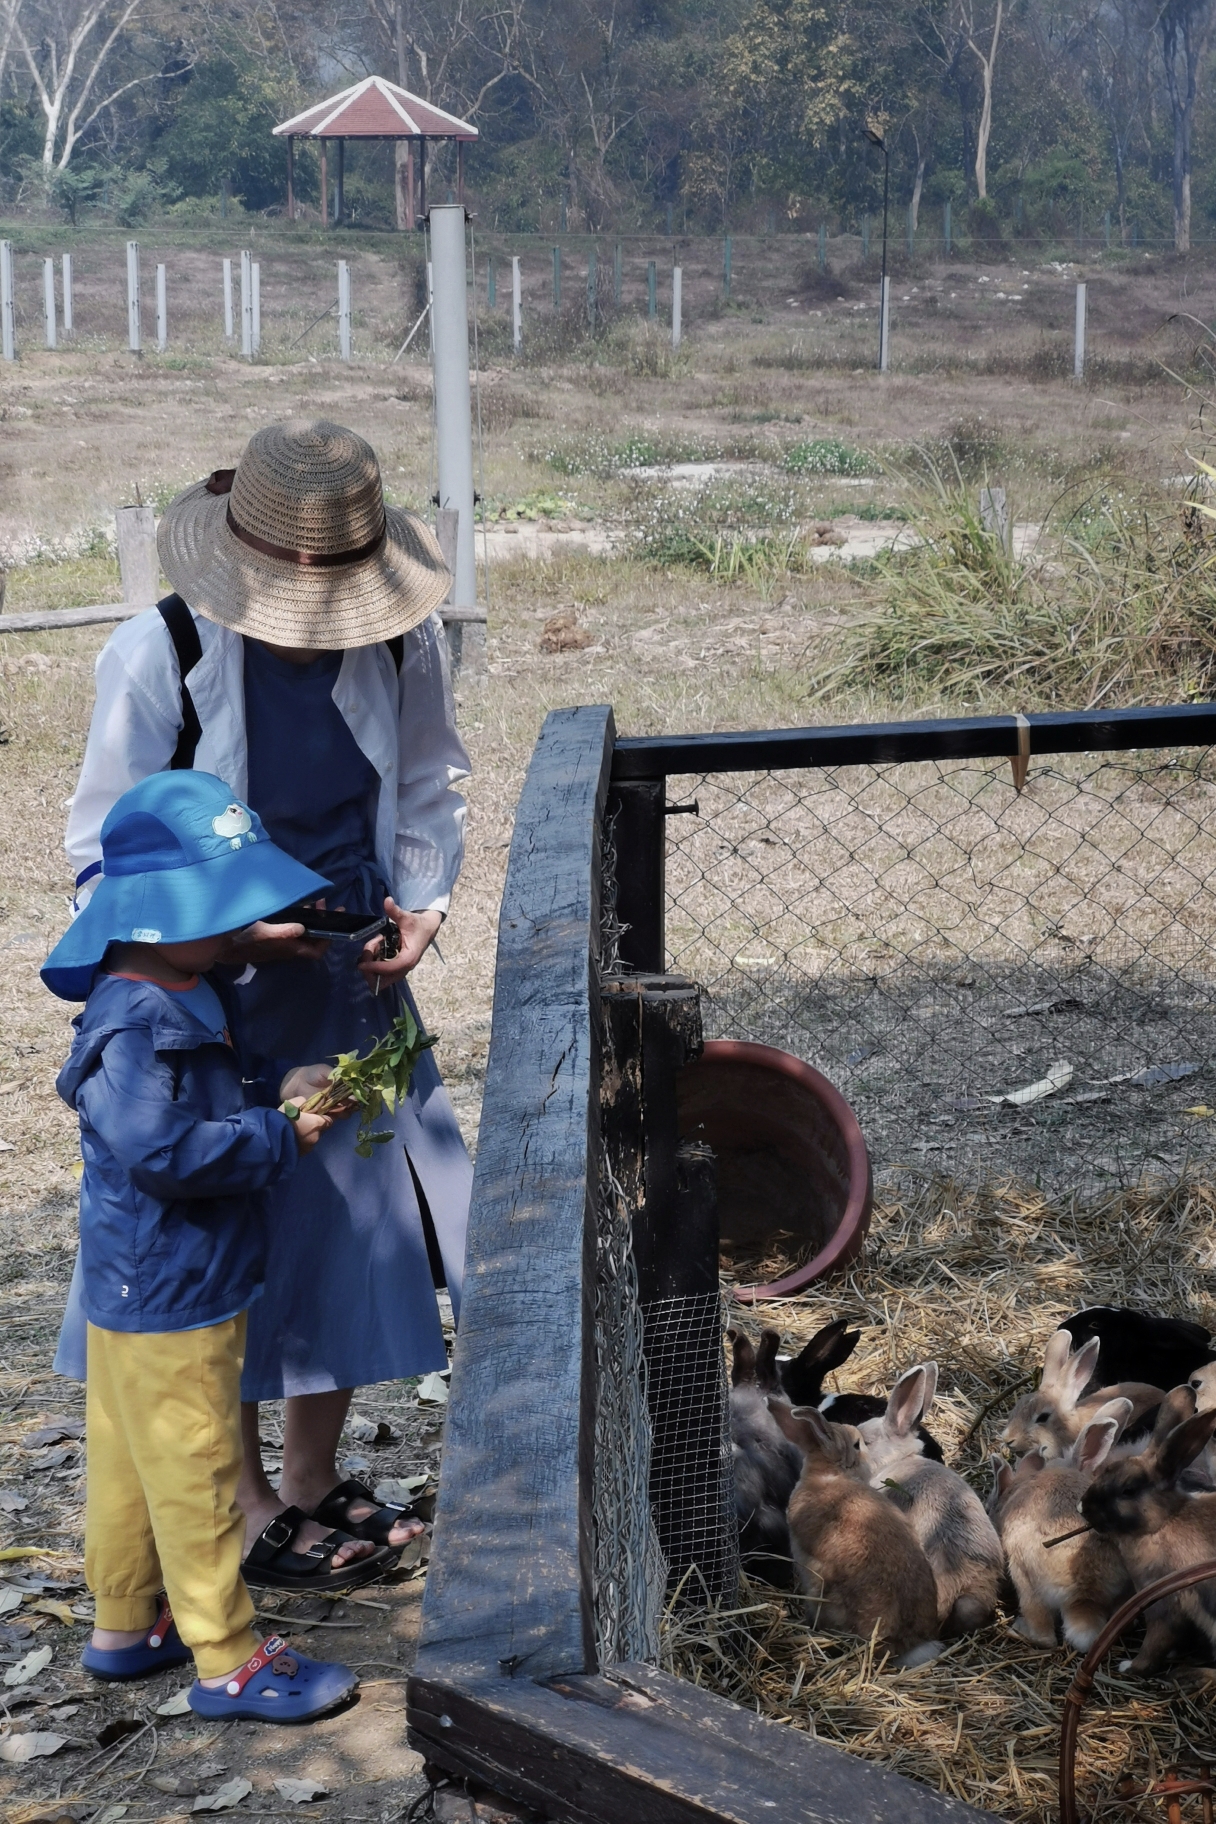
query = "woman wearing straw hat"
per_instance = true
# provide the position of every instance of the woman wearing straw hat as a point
(310, 674)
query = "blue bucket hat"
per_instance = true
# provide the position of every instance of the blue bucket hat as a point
(182, 859)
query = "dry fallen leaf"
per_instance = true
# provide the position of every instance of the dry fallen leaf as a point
(30, 1666)
(59, 1610)
(31, 1746)
(224, 1797)
(177, 1705)
(432, 1390)
(301, 1792)
(10, 1599)
(1059, 1076)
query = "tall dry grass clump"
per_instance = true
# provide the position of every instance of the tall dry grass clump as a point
(1114, 604)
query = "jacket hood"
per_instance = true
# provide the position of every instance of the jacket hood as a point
(116, 1005)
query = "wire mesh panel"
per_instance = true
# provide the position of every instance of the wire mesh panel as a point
(935, 941)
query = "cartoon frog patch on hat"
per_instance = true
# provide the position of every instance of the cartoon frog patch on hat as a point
(234, 820)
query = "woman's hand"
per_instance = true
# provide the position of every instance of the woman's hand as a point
(306, 1080)
(309, 1128)
(417, 932)
(264, 945)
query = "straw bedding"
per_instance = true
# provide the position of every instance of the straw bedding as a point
(975, 1280)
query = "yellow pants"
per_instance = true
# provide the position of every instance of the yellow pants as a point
(164, 1454)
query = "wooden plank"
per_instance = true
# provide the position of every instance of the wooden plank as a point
(887, 743)
(510, 1578)
(641, 1747)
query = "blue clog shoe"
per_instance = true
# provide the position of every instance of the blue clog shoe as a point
(161, 1648)
(278, 1685)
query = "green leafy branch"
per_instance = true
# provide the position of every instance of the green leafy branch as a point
(375, 1082)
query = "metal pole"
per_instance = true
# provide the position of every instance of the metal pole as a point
(1078, 342)
(247, 305)
(726, 250)
(946, 228)
(517, 325)
(557, 275)
(652, 290)
(591, 287)
(48, 300)
(884, 326)
(453, 416)
(255, 327)
(8, 339)
(677, 304)
(618, 271)
(133, 322)
(228, 299)
(162, 312)
(344, 310)
(882, 295)
(491, 286)
(67, 294)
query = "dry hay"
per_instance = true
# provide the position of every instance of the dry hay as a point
(975, 1280)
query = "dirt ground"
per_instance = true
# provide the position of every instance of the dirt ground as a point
(981, 352)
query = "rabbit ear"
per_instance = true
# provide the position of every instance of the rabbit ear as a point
(804, 1428)
(743, 1359)
(829, 1347)
(906, 1403)
(1120, 1410)
(930, 1369)
(1177, 1406)
(1185, 1443)
(1055, 1360)
(1096, 1441)
(1077, 1371)
(1002, 1475)
(766, 1361)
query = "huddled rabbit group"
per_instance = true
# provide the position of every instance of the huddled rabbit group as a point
(1112, 1485)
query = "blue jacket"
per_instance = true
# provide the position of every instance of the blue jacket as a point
(171, 1221)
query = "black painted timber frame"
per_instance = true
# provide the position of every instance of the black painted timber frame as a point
(507, 1689)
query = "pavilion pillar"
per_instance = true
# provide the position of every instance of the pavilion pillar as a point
(411, 201)
(324, 188)
(460, 172)
(340, 200)
(291, 177)
(422, 177)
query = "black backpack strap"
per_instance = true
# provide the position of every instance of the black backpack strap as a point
(177, 617)
(397, 647)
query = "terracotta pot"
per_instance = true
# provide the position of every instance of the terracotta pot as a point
(791, 1157)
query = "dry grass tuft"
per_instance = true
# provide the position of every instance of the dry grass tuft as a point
(975, 1280)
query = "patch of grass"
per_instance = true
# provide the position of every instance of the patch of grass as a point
(73, 582)
(826, 456)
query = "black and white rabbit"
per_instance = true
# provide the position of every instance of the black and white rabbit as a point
(766, 1464)
(803, 1378)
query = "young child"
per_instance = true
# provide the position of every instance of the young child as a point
(171, 1240)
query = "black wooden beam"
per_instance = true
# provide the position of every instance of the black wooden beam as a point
(654, 757)
(510, 1579)
(640, 1747)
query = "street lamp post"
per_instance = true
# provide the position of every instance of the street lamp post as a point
(876, 139)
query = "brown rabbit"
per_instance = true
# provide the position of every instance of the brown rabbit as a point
(852, 1549)
(1137, 1504)
(1051, 1419)
(1081, 1581)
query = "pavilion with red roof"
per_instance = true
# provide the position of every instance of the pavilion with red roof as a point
(376, 109)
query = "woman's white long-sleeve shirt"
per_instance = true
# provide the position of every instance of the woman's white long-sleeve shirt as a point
(404, 723)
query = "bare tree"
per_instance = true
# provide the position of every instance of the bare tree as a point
(8, 25)
(987, 63)
(1186, 29)
(73, 42)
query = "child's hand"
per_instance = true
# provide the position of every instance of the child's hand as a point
(309, 1127)
(306, 1080)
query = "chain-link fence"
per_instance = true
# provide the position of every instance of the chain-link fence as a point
(936, 941)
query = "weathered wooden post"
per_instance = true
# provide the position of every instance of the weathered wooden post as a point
(617, 273)
(138, 563)
(726, 253)
(1078, 337)
(48, 300)
(652, 291)
(557, 278)
(162, 312)
(247, 305)
(884, 326)
(67, 294)
(344, 310)
(516, 306)
(677, 305)
(946, 228)
(8, 323)
(255, 305)
(228, 300)
(133, 314)
(591, 284)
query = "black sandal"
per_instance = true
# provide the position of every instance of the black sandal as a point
(270, 1563)
(376, 1527)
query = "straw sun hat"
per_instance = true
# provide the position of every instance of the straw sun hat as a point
(296, 546)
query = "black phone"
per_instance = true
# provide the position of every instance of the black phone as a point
(346, 927)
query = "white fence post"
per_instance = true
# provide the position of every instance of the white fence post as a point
(228, 299)
(8, 337)
(138, 563)
(1078, 339)
(344, 310)
(67, 294)
(255, 333)
(677, 304)
(884, 327)
(162, 311)
(133, 316)
(247, 305)
(48, 300)
(517, 324)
